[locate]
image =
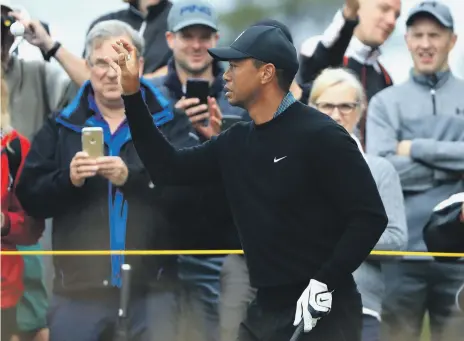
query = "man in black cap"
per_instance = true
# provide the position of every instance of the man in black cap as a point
(303, 223)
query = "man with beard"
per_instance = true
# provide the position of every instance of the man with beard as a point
(192, 30)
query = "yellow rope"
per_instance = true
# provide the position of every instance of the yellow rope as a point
(198, 252)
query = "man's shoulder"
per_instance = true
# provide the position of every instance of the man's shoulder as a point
(157, 81)
(393, 93)
(122, 15)
(457, 81)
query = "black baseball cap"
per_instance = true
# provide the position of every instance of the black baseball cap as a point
(436, 9)
(275, 23)
(265, 43)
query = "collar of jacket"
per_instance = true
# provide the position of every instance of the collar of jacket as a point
(79, 112)
(172, 81)
(435, 80)
(152, 11)
(363, 54)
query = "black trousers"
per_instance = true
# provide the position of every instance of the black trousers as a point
(267, 322)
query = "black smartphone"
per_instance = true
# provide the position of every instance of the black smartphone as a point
(230, 120)
(198, 88)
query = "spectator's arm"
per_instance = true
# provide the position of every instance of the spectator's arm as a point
(74, 66)
(37, 35)
(382, 140)
(19, 228)
(44, 188)
(446, 155)
(319, 53)
(57, 85)
(395, 237)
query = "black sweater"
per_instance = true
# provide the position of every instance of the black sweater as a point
(302, 196)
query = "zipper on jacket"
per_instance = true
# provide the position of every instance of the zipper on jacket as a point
(432, 93)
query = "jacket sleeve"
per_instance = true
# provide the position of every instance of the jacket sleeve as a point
(165, 164)
(364, 214)
(395, 237)
(19, 228)
(58, 86)
(44, 188)
(446, 155)
(320, 52)
(382, 131)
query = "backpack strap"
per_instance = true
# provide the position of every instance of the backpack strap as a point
(388, 80)
(345, 61)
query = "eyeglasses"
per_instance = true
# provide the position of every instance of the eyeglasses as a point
(343, 108)
(100, 64)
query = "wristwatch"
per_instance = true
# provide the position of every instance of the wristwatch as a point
(51, 53)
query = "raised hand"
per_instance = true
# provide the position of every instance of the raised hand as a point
(127, 66)
(350, 10)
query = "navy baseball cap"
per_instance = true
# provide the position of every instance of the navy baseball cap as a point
(436, 9)
(185, 13)
(265, 43)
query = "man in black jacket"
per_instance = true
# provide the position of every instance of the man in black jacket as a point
(303, 225)
(353, 39)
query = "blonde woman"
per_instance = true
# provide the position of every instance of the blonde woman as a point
(339, 94)
(16, 227)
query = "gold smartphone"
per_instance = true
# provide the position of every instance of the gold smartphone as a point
(92, 141)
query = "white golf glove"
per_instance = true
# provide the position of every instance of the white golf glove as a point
(314, 303)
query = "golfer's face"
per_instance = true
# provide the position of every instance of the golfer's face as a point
(242, 81)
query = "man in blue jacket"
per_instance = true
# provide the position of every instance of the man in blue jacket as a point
(107, 203)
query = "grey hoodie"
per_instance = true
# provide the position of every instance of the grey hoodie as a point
(429, 111)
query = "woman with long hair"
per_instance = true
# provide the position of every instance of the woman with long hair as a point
(17, 228)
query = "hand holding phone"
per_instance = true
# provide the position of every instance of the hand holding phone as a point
(82, 167)
(197, 113)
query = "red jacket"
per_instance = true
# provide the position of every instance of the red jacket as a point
(18, 228)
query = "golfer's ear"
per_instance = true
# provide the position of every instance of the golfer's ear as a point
(268, 73)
